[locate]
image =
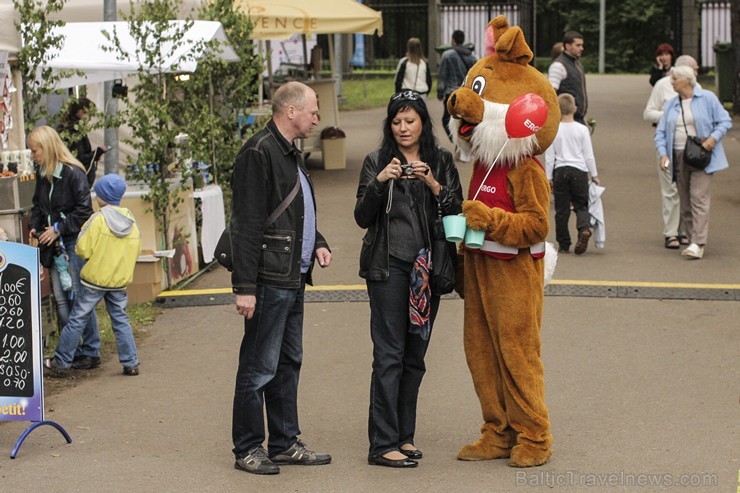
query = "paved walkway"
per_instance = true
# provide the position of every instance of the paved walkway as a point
(642, 392)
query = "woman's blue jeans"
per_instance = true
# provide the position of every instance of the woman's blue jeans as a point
(85, 301)
(90, 337)
(270, 360)
(398, 361)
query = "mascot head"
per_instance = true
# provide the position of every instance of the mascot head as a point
(479, 106)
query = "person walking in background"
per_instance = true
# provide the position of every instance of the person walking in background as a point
(413, 71)
(674, 232)
(556, 51)
(61, 205)
(402, 187)
(273, 258)
(453, 67)
(567, 76)
(110, 242)
(693, 112)
(71, 131)
(568, 163)
(665, 57)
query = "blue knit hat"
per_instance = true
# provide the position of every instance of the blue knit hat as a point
(110, 188)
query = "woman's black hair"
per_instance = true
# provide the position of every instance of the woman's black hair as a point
(403, 101)
(75, 106)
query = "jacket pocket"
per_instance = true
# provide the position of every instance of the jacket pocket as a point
(276, 254)
(367, 251)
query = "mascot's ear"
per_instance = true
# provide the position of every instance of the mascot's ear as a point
(490, 50)
(509, 42)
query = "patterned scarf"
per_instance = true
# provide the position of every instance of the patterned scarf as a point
(420, 295)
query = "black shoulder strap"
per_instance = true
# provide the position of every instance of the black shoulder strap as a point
(285, 203)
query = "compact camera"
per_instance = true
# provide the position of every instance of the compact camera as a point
(408, 169)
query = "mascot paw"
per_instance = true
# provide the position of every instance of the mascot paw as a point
(483, 449)
(477, 214)
(526, 455)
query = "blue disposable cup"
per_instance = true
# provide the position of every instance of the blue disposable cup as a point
(474, 238)
(454, 227)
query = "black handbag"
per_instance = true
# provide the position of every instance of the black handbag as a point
(444, 259)
(694, 154)
(223, 252)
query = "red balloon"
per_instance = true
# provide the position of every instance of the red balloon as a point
(525, 116)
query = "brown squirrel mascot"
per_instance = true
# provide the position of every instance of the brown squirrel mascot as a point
(504, 279)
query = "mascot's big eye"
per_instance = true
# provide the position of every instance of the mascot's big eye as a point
(479, 83)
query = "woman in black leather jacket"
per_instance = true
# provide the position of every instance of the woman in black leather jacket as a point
(61, 205)
(402, 186)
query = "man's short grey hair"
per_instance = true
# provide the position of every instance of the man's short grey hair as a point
(289, 94)
(687, 61)
(684, 72)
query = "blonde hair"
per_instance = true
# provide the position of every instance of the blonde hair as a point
(55, 151)
(413, 51)
(567, 104)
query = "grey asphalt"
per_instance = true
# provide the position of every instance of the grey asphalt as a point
(643, 392)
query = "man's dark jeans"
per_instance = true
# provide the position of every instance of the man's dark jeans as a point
(269, 366)
(398, 361)
(570, 186)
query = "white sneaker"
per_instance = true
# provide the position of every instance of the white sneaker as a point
(693, 251)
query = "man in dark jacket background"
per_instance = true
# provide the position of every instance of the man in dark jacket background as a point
(567, 76)
(272, 262)
(453, 67)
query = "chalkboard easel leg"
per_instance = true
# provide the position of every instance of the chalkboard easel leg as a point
(33, 427)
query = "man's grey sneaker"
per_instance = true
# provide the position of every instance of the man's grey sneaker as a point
(256, 462)
(298, 454)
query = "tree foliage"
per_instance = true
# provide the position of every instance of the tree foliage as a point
(38, 38)
(163, 105)
(151, 113)
(634, 28)
(207, 106)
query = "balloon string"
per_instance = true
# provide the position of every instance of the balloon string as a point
(490, 168)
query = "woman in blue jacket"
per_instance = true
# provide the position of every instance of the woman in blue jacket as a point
(694, 112)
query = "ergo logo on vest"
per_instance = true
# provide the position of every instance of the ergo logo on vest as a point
(528, 123)
(488, 189)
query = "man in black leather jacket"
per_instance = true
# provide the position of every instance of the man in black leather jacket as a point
(271, 265)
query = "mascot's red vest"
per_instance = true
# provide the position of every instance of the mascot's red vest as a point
(495, 193)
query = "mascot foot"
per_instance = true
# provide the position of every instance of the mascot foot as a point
(483, 449)
(525, 455)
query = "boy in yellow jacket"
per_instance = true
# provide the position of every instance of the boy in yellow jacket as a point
(110, 242)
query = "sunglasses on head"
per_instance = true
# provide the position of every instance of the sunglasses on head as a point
(409, 95)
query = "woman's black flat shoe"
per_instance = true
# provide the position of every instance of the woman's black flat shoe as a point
(382, 461)
(412, 454)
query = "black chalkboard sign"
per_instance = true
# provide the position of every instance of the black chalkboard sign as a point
(16, 333)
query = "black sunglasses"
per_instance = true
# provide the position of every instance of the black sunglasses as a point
(410, 95)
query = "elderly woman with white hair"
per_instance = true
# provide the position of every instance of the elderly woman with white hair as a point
(694, 112)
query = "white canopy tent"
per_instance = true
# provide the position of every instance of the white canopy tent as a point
(84, 42)
(73, 11)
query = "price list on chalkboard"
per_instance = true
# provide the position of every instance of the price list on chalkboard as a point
(16, 333)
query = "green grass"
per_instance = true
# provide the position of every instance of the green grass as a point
(360, 93)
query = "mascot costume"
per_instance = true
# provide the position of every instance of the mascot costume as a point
(505, 113)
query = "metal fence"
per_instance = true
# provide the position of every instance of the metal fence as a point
(473, 20)
(404, 20)
(715, 28)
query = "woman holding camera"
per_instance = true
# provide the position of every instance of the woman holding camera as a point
(693, 112)
(404, 186)
(61, 205)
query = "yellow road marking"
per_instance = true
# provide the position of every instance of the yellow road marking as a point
(362, 287)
